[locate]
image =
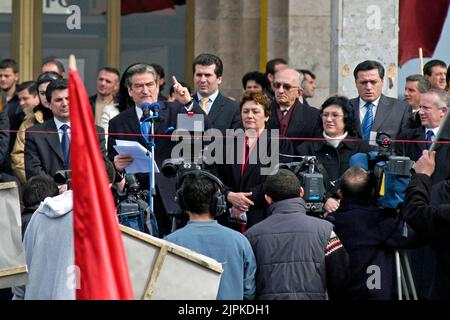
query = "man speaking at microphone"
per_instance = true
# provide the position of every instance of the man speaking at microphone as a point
(143, 87)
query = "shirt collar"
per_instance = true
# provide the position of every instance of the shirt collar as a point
(435, 131)
(60, 123)
(362, 103)
(212, 97)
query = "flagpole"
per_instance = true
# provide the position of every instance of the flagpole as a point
(421, 60)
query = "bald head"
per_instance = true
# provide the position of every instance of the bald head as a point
(287, 86)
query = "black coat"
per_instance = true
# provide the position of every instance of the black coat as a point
(224, 113)
(369, 235)
(43, 152)
(335, 160)
(252, 180)
(434, 224)
(305, 122)
(4, 137)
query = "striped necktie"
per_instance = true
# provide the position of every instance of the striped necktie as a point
(203, 103)
(367, 122)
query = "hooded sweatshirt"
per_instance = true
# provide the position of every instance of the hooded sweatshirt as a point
(48, 244)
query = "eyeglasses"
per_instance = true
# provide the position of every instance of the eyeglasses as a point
(286, 86)
(332, 115)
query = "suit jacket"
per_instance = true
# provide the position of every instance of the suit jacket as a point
(224, 113)
(43, 152)
(414, 151)
(127, 122)
(392, 116)
(305, 123)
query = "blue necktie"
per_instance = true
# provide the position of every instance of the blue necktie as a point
(65, 144)
(367, 122)
(430, 135)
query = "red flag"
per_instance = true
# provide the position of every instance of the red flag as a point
(421, 25)
(99, 251)
(140, 6)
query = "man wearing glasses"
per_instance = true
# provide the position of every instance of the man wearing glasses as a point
(292, 118)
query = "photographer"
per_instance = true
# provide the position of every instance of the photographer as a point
(370, 235)
(430, 222)
(338, 123)
(200, 195)
(299, 257)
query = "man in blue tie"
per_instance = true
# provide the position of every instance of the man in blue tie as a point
(374, 112)
(47, 145)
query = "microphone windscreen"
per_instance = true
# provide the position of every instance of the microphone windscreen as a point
(359, 160)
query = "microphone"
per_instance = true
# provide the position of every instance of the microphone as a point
(147, 107)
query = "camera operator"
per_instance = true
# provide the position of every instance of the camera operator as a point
(299, 257)
(430, 222)
(338, 124)
(370, 235)
(200, 195)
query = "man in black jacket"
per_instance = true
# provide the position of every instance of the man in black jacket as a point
(431, 222)
(298, 257)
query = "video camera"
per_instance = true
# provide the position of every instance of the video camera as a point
(397, 165)
(311, 180)
(171, 167)
(391, 173)
(132, 204)
(63, 177)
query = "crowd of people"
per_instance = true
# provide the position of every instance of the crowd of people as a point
(254, 223)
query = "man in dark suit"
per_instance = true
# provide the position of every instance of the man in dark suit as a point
(143, 87)
(432, 110)
(374, 112)
(47, 144)
(222, 112)
(292, 118)
(106, 90)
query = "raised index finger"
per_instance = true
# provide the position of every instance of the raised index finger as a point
(175, 81)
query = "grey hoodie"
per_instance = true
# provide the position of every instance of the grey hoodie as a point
(48, 244)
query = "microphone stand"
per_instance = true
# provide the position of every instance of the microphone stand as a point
(147, 132)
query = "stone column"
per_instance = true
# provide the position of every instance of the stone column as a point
(309, 42)
(363, 30)
(230, 30)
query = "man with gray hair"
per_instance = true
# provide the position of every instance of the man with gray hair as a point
(432, 110)
(292, 118)
(143, 87)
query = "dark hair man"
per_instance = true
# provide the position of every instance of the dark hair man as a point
(9, 78)
(107, 88)
(221, 112)
(308, 85)
(298, 257)
(162, 80)
(374, 112)
(29, 100)
(205, 235)
(47, 153)
(435, 71)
